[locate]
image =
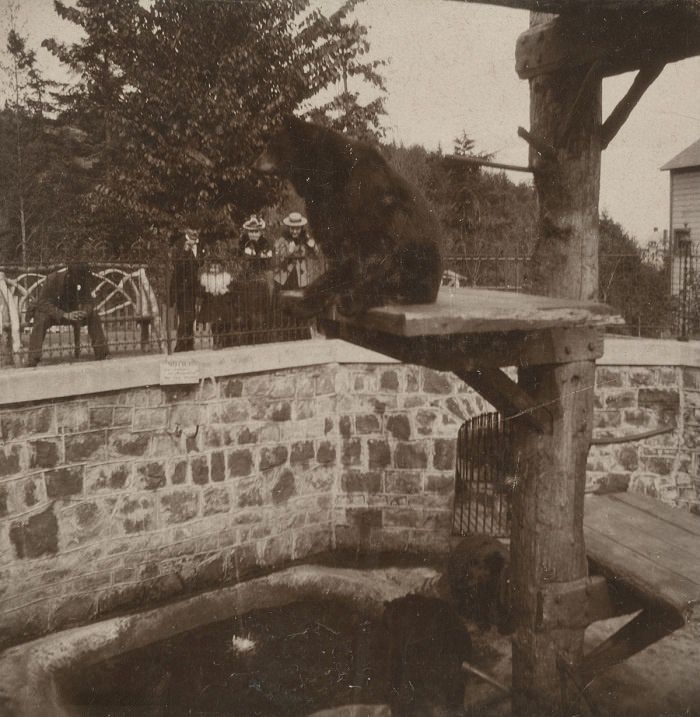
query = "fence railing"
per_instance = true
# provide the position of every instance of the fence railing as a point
(212, 303)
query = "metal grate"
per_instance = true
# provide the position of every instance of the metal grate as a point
(485, 468)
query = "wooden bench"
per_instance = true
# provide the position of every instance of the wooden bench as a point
(649, 555)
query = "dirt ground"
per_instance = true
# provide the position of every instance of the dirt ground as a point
(661, 681)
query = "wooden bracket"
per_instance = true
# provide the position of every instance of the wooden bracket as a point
(574, 604)
(651, 624)
(619, 115)
(507, 397)
(541, 146)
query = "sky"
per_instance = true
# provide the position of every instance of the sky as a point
(451, 67)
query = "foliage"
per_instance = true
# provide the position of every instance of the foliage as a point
(638, 290)
(179, 98)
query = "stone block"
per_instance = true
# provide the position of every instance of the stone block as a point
(277, 550)
(436, 382)
(247, 436)
(364, 518)
(165, 444)
(218, 466)
(178, 472)
(244, 562)
(199, 467)
(88, 446)
(281, 411)
(64, 482)
(178, 506)
(72, 610)
(10, 459)
(72, 417)
(151, 475)
(410, 455)
(35, 535)
(379, 453)
(412, 379)
(367, 423)
(231, 411)
(32, 490)
(642, 376)
(249, 492)
(399, 426)
(351, 452)
(43, 453)
(302, 452)
(101, 416)
(231, 387)
(122, 416)
(126, 443)
(312, 541)
(107, 476)
(667, 399)
(627, 457)
(620, 398)
(83, 522)
(609, 419)
(691, 378)
(216, 500)
(345, 426)
(240, 463)
(445, 454)
(284, 487)
(150, 419)
(389, 380)
(20, 423)
(354, 481)
(4, 502)
(325, 382)
(442, 484)
(610, 377)
(135, 514)
(271, 457)
(282, 387)
(404, 482)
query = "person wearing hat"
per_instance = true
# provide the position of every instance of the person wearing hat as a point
(294, 250)
(184, 286)
(255, 288)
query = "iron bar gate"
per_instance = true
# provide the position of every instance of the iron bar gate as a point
(485, 468)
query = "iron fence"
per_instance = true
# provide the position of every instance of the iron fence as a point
(209, 302)
(484, 475)
(181, 304)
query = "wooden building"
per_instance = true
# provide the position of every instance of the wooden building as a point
(684, 211)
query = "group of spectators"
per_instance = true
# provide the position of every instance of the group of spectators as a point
(236, 293)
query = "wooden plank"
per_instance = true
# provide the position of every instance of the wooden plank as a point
(675, 550)
(621, 42)
(575, 604)
(636, 552)
(469, 311)
(673, 516)
(508, 398)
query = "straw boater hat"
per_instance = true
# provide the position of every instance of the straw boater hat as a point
(254, 224)
(295, 220)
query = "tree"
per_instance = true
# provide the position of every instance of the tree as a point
(638, 290)
(344, 112)
(179, 98)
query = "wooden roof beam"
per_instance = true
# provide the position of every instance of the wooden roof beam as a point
(618, 42)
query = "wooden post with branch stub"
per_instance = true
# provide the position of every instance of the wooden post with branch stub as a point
(547, 544)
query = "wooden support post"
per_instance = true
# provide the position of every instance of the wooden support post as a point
(547, 540)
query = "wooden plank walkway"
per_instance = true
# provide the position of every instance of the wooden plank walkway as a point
(650, 547)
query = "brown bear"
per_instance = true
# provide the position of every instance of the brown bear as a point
(478, 570)
(427, 644)
(377, 233)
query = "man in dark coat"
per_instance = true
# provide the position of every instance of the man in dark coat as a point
(65, 298)
(184, 287)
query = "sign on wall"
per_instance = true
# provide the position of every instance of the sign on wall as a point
(174, 371)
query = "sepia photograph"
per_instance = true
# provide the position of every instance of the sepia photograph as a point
(350, 358)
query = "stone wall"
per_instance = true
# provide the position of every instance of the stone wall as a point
(115, 499)
(125, 498)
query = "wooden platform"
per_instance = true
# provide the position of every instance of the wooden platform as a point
(651, 548)
(475, 311)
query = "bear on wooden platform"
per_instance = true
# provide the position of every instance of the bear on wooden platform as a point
(375, 230)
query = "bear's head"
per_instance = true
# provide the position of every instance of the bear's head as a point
(285, 148)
